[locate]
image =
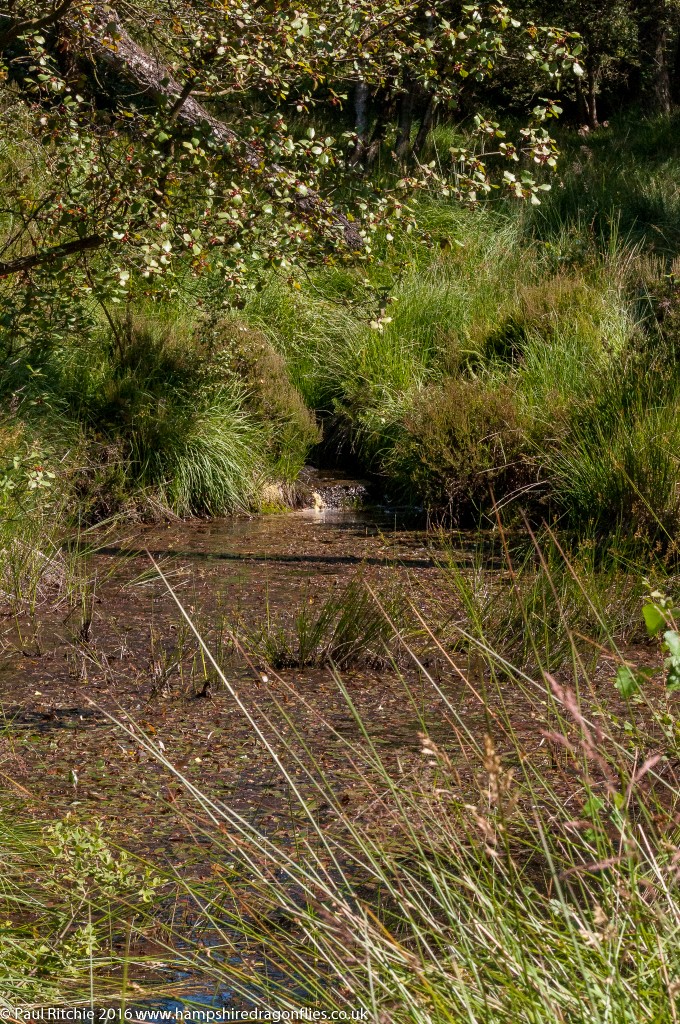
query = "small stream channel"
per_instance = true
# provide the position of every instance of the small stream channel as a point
(123, 649)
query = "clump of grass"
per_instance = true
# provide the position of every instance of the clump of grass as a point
(164, 422)
(345, 628)
(616, 464)
(211, 462)
(183, 421)
(623, 475)
(540, 604)
(269, 394)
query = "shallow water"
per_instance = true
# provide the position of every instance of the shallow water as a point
(119, 649)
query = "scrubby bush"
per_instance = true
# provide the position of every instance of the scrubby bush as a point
(461, 440)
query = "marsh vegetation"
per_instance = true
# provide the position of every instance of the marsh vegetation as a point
(339, 509)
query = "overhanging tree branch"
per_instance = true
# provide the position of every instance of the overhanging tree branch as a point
(111, 46)
(52, 254)
(17, 28)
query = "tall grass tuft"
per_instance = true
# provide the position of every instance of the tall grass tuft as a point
(342, 630)
(161, 419)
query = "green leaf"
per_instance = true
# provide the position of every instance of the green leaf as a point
(593, 805)
(626, 682)
(673, 679)
(673, 682)
(654, 619)
(672, 640)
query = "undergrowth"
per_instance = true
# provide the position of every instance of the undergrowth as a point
(164, 420)
(66, 899)
(496, 354)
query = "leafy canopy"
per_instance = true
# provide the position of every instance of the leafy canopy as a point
(170, 138)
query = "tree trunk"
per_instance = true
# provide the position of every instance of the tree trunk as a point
(675, 72)
(406, 113)
(661, 72)
(592, 99)
(425, 126)
(658, 35)
(361, 99)
(379, 130)
(582, 103)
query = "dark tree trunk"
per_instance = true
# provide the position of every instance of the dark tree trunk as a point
(660, 92)
(425, 128)
(675, 73)
(406, 114)
(658, 34)
(385, 111)
(583, 113)
(361, 104)
(592, 99)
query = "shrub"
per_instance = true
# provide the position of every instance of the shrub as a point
(461, 439)
(67, 925)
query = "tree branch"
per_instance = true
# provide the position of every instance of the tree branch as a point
(112, 47)
(19, 27)
(52, 254)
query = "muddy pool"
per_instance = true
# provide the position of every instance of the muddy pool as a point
(115, 647)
